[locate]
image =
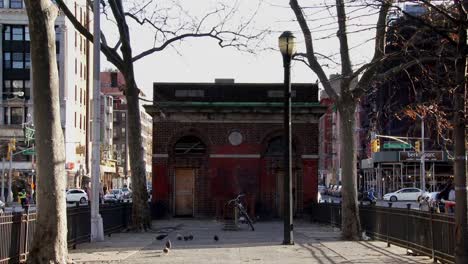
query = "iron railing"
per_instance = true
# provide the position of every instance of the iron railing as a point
(17, 229)
(424, 233)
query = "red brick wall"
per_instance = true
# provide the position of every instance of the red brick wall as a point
(219, 179)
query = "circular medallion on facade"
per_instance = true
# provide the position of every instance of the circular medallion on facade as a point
(235, 138)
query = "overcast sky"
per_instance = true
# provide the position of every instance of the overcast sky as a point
(202, 60)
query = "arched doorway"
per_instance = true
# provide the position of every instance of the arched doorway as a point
(274, 154)
(186, 149)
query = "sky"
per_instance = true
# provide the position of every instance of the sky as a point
(202, 60)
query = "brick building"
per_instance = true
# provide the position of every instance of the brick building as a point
(212, 141)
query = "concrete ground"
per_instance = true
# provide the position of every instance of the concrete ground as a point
(314, 243)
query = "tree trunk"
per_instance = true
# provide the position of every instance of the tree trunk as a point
(350, 223)
(50, 238)
(461, 223)
(140, 211)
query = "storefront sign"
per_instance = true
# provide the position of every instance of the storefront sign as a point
(412, 156)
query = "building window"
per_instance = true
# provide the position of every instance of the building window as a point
(75, 119)
(17, 33)
(6, 33)
(76, 92)
(16, 115)
(114, 132)
(17, 60)
(1, 3)
(26, 33)
(113, 76)
(81, 120)
(16, 3)
(27, 60)
(123, 130)
(189, 145)
(7, 60)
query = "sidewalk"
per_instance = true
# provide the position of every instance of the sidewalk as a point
(314, 244)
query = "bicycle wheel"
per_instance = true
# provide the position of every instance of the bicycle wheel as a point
(249, 221)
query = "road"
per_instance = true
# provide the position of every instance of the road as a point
(382, 203)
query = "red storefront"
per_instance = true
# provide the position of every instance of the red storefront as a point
(213, 141)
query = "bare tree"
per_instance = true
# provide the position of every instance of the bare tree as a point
(213, 25)
(50, 238)
(454, 13)
(345, 100)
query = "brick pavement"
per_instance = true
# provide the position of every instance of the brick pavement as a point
(314, 244)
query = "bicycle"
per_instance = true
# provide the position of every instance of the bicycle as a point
(238, 204)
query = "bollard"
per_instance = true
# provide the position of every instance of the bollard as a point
(431, 211)
(387, 220)
(408, 207)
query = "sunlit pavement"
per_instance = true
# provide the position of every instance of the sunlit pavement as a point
(382, 203)
(314, 243)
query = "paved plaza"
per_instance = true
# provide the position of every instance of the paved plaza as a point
(314, 243)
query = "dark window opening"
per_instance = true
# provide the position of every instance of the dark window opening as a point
(113, 79)
(276, 147)
(189, 145)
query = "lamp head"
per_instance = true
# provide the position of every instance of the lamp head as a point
(287, 44)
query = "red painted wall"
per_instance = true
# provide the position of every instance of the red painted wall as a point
(161, 190)
(310, 181)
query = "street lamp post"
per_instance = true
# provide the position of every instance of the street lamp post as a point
(423, 158)
(287, 46)
(97, 230)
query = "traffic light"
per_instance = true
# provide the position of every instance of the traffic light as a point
(375, 145)
(417, 146)
(11, 148)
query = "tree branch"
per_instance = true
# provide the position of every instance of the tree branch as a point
(313, 62)
(110, 54)
(379, 51)
(346, 69)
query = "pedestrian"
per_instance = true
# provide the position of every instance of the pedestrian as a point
(22, 197)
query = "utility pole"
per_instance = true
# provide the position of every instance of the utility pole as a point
(3, 179)
(423, 158)
(97, 230)
(10, 191)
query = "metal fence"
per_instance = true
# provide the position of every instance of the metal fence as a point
(424, 233)
(17, 229)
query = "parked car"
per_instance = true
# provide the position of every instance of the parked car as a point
(337, 191)
(322, 189)
(126, 193)
(114, 196)
(77, 195)
(330, 189)
(405, 194)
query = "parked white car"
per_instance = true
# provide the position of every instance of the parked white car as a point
(114, 196)
(405, 194)
(77, 195)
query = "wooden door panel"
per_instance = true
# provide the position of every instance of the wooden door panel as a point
(184, 185)
(280, 191)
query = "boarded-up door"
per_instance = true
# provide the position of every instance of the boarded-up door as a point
(280, 191)
(184, 185)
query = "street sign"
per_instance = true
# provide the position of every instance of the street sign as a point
(412, 156)
(29, 152)
(396, 145)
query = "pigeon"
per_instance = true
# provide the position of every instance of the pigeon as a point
(161, 237)
(216, 238)
(190, 237)
(168, 244)
(166, 250)
(179, 237)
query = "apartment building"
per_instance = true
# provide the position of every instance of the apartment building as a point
(112, 84)
(74, 54)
